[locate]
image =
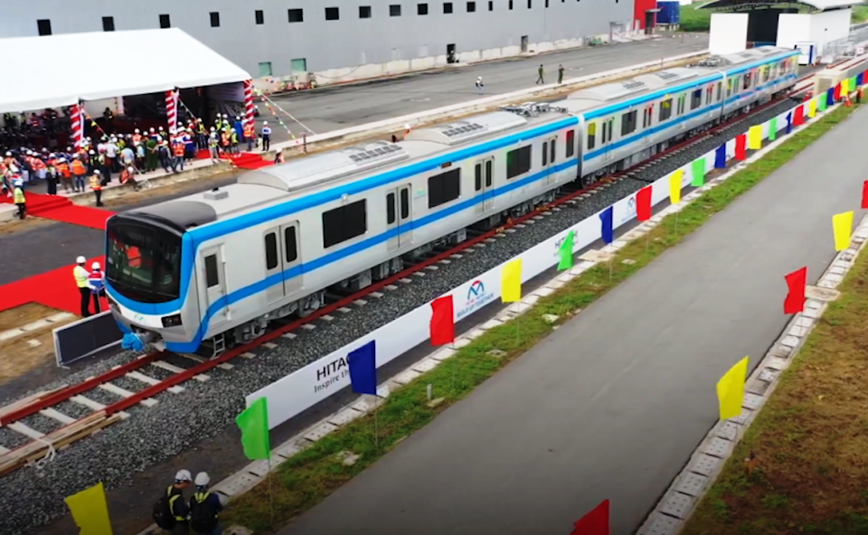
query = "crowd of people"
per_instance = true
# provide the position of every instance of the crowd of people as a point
(94, 165)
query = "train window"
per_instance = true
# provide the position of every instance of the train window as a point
(571, 144)
(477, 177)
(545, 153)
(518, 162)
(553, 150)
(730, 83)
(592, 135)
(390, 208)
(405, 203)
(489, 165)
(290, 245)
(719, 90)
(765, 71)
(344, 223)
(665, 110)
(628, 123)
(682, 101)
(647, 115)
(709, 94)
(271, 258)
(696, 99)
(605, 133)
(747, 78)
(444, 188)
(212, 278)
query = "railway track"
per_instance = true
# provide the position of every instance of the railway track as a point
(69, 414)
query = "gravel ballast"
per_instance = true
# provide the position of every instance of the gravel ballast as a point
(154, 434)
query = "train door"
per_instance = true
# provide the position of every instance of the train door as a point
(483, 184)
(548, 160)
(214, 295)
(608, 127)
(292, 276)
(273, 265)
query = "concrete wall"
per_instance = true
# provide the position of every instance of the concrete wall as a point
(728, 33)
(369, 45)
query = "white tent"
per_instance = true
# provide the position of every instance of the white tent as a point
(91, 66)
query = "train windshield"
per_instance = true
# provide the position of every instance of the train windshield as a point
(143, 263)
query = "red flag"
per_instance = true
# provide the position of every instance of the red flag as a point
(795, 301)
(643, 204)
(799, 115)
(594, 523)
(865, 194)
(740, 147)
(442, 325)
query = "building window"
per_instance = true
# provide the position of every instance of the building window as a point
(265, 69)
(344, 223)
(395, 10)
(421, 9)
(444, 188)
(44, 26)
(108, 24)
(164, 22)
(490, 5)
(332, 13)
(364, 12)
(471, 7)
(215, 19)
(296, 15)
(447, 7)
(260, 16)
(212, 279)
(628, 123)
(518, 162)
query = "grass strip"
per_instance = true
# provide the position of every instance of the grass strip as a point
(308, 477)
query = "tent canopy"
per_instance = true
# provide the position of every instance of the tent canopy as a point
(65, 81)
(817, 5)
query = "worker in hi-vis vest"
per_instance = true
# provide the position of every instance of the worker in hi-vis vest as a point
(81, 275)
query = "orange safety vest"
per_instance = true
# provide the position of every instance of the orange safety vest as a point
(63, 169)
(249, 131)
(225, 138)
(94, 183)
(78, 168)
(178, 148)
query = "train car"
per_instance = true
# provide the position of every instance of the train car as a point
(217, 267)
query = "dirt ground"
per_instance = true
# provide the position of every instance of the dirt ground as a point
(22, 354)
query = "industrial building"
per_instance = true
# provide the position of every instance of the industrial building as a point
(337, 39)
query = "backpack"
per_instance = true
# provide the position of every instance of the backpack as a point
(162, 515)
(203, 516)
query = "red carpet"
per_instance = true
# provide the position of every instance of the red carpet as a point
(55, 289)
(62, 209)
(248, 160)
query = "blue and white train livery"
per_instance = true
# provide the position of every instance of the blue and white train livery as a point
(214, 268)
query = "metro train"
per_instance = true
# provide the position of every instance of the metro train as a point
(210, 270)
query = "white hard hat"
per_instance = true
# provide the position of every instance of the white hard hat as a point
(80, 260)
(95, 265)
(137, 130)
(96, 171)
(130, 169)
(264, 122)
(183, 475)
(202, 479)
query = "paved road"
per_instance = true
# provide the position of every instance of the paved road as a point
(345, 106)
(613, 403)
(57, 245)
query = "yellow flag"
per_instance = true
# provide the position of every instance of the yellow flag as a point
(812, 107)
(675, 186)
(755, 137)
(730, 390)
(842, 225)
(90, 511)
(510, 282)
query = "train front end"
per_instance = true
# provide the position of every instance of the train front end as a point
(146, 283)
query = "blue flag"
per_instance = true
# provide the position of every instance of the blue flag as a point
(789, 122)
(363, 368)
(608, 230)
(720, 157)
(830, 97)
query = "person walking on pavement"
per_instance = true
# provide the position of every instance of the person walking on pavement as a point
(170, 511)
(560, 74)
(266, 136)
(540, 80)
(479, 85)
(81, 277)
(96, 285)
(96, 186)
(205, 507)
(19, 197)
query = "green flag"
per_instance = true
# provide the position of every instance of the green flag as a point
(773, 127)
(566, 252)
(254, 430)
(698, 168)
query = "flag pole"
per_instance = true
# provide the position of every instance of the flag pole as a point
(376, 421)
(271, 491)
(611, 258)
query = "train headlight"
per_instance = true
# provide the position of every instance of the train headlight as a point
(171, 321)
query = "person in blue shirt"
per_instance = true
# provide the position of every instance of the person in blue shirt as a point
(96, 283)
(205, 506)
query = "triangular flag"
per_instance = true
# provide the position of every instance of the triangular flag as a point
(253, 423)
(565, 252)
(795, 301)
(842, 226)
(730, 390)
(773, 129)
(510, 282)
(442, 325)
(675, 186)
(90, 511)
(697, 169)
(596, 522)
